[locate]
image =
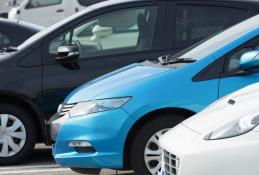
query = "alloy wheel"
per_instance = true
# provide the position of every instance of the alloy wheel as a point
(12, 135)
(153, 153)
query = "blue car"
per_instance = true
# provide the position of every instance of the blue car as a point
(115, 121)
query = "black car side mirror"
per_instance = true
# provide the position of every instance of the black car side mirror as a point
(68, 54)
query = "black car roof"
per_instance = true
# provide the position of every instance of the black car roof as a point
(253, 2)
(246, 1)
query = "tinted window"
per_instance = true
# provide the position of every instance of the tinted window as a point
(42, 3)
(194, 23)
(222, 39)
(88, 2)
(116, 32)
(4, 40)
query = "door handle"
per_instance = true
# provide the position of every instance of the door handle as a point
(60, 10)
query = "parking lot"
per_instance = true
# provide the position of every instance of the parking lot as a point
(159, 87)
(42, 163)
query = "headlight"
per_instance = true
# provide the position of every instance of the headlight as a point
(238, 127)
(95, 106)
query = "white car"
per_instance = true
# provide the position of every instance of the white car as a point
(221, 140)
(47, 12)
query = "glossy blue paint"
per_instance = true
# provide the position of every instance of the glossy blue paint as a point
(151, 88)
(250, 60)
(106, 131)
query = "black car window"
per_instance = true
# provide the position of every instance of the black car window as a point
(233, 58)
(4, 40)
(116, 32)
(42, 3)
(194, 23)
(88, 2)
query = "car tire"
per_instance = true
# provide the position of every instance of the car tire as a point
(145, 142)
(20, 135)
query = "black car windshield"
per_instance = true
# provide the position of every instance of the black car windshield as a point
(214, 43)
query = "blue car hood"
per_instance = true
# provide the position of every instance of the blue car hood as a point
(115, 79)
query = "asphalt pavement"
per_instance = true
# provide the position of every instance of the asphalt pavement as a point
(41, 163)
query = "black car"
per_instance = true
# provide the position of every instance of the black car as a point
(37, 75)
(13, 32)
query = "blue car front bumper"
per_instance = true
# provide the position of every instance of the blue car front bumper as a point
(105, 131)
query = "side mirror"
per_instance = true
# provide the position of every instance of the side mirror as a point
(249, 60)
(68, 54)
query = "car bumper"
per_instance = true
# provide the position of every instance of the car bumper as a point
(54, 125)
(105, 133)
(189, 154)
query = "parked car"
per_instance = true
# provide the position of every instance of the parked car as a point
(13, 32)
(6, 5)
(222, 139)
(107, 36)
(116, 120)
(49, 12)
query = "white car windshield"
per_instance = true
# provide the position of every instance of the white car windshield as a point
(208, 46)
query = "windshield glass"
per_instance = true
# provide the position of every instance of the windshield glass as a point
(212, 44)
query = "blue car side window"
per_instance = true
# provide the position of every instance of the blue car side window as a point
(234, 57)
(233, 64)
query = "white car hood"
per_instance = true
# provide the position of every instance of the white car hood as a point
(225, 110)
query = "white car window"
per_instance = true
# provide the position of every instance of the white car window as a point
(42, 3)
(88, 2)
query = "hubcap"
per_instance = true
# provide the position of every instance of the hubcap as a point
(153, 153)
(12, 135)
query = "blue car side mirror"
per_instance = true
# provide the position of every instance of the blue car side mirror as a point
(249, 60)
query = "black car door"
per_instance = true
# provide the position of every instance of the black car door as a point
(109, 39)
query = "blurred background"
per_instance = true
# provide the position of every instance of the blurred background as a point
(6, 5)
(49, 11)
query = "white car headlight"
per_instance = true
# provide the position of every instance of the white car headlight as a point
(95, 106)
(236, 128)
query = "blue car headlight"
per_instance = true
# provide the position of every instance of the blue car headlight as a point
(95, 106)
(235, 128)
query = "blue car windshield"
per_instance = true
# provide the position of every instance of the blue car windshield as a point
(216, 42)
